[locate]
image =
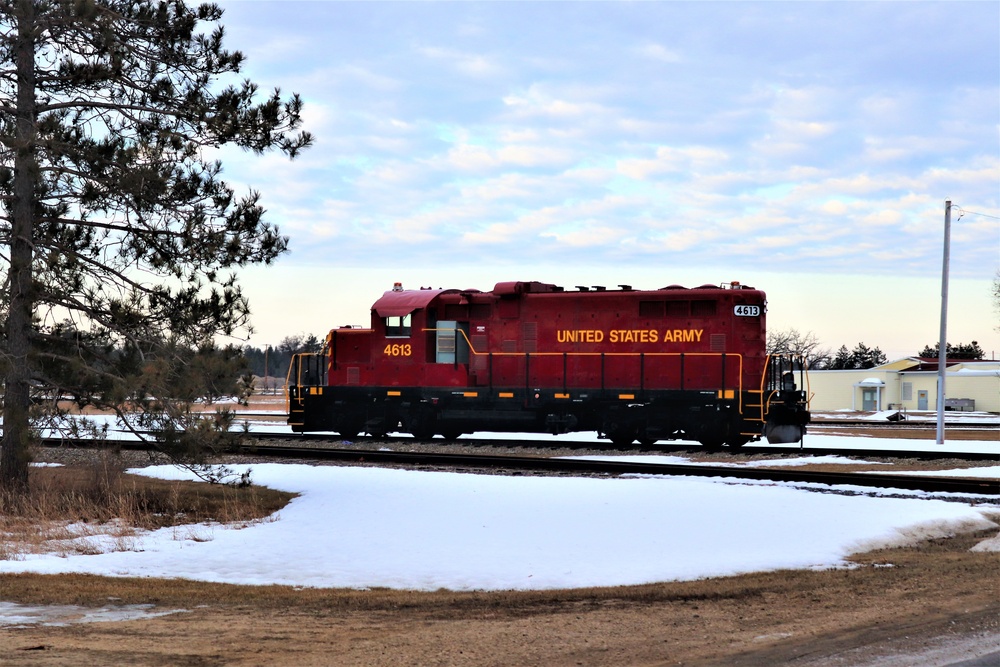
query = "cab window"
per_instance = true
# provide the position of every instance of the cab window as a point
(397, 326)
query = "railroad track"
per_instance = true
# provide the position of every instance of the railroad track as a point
(663, 447)
(975, 487)
(929, 425)
(319, 447)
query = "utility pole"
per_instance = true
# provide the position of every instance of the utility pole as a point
(943, 344)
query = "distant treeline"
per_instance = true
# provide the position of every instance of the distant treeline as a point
(273, 360)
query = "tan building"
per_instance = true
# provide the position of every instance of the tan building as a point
(910, 384)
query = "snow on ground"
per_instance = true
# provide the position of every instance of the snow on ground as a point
(990, 444)
(20, 615)
(368, 527)
(981, 472)
(922, 416)
(768, 463)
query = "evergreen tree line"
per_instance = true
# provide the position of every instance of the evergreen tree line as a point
(272, 361)
(960, 351)
(861, 356)
(807, 346)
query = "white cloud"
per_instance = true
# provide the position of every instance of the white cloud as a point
(588, 237)
(670, 159)
(659, 53)
(474, 65)
(536, 101)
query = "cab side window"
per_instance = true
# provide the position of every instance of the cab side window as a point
(397, 326)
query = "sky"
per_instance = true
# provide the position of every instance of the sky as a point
(807, 149)
(377, 527)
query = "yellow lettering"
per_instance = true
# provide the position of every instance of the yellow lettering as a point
(579, 335)
(645, 336)
(678, 336)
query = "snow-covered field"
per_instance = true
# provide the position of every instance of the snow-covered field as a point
(953, 418)
(367, 527)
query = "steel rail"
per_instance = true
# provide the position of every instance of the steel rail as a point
(660, 447)
(863, 423)
(980, 487)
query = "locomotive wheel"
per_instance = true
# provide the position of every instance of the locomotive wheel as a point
(348, 429)
(646, 441)
(421, 422)
(422, 428)
(622, 438)
(711, 444)
(451, 435)
(714, 435)
(737, 441)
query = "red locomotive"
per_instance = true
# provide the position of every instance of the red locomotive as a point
(646, 365)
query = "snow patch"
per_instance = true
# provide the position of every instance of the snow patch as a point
(13, 615)
(928, 530)
(359, 527)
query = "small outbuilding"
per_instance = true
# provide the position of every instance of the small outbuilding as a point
(910, 384)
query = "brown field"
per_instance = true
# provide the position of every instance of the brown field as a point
(895, 607)
(897, 602)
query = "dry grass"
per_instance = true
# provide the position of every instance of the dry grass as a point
(98, 508)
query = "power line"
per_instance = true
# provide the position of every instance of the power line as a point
(962, 211)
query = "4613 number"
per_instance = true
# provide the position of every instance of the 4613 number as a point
(398, 350)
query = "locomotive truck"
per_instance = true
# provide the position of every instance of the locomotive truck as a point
(633, 365)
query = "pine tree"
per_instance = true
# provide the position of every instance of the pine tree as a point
(961, 351)
(118, 235)
(860, 356)
(842, 361)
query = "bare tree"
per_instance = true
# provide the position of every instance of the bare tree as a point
(806, 345)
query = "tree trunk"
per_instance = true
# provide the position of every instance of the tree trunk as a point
(16, 400)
